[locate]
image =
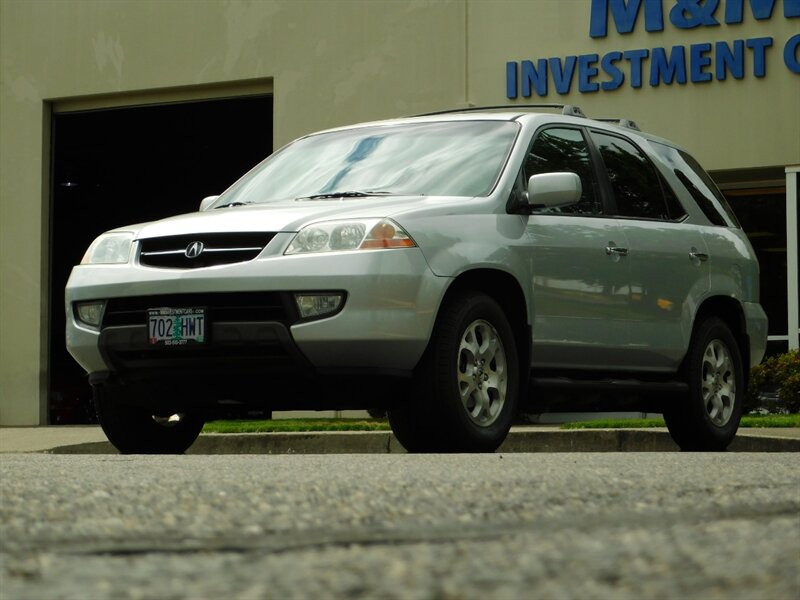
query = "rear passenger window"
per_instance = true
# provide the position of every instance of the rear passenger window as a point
(634, 180)
(560, 150)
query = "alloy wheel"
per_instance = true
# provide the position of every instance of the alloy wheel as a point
(482, 373)
(718, 383)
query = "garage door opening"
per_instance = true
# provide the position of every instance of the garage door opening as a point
(128, 165)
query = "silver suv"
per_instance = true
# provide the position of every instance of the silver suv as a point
(452, 268)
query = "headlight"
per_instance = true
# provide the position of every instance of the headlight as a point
(336, 236)
(109, 248)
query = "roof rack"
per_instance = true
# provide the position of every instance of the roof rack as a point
(628, 124)
(566, 109)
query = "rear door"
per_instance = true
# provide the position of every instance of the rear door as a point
(667, 257)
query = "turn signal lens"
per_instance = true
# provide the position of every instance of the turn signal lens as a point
(386, 235)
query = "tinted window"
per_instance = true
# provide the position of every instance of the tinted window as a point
(698, 183)
(634, 180)
(564, 150)
(675, 208)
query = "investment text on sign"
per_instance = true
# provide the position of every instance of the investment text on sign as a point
(695, 63)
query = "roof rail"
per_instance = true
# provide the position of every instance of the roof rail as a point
(566, 109)
(628, 124)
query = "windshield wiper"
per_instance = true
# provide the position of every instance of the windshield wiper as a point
(348, 194)
(234, 203)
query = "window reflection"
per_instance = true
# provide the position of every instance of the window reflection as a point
(633, 178)
(564, 150)
(697, 182)
(432, 159)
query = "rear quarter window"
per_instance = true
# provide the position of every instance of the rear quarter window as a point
(697, 183)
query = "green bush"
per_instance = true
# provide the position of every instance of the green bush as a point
(775, 384)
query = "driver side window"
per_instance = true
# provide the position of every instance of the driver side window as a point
(558, 150)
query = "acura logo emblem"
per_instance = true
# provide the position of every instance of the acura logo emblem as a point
(194, 249)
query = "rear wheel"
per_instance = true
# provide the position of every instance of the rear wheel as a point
(467, 382)
(707, 419)
(135, 430)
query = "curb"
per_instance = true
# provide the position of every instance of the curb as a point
(383, 442)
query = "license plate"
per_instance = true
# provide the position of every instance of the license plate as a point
(176, 326)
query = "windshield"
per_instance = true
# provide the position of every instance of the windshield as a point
(456, 158)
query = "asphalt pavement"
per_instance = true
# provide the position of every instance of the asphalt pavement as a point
(66, 439)
(623, 525)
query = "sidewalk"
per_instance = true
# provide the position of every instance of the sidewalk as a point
(79, 439)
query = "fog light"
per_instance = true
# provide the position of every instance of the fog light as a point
(318, 305)
(90, 313)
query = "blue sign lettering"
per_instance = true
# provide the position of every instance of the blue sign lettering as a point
(759, 47)
(624, 13)
(684, 14)
(635, 57)
(762, 9)
(610, 68)
(562, 75)
(729, 60)
(511, 79)
(790, 57)
(668, 69)
(536, 77)
(695, 63)
(688, 14)
(699, 60)
(586, 72)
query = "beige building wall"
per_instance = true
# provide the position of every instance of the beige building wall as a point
(328, 63)
(731, 124)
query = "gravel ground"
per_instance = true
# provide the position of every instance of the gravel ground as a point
(655, 525)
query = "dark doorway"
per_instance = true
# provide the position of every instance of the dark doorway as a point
(762, 213)
(121, 166)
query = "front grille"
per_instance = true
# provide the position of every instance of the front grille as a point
(173, 252)
(235, 307)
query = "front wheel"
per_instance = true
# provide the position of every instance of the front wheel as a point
(467, 382)
(707, 419)
(135, 430)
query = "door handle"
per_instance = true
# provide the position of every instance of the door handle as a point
(616, 250)
(695, 255)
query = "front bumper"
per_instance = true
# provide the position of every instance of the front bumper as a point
(383, 328)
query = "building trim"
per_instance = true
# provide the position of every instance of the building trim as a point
(211, 91)
(792, 288)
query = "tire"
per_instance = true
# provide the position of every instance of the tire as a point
(708, 417)
(467, 383)
(135, 430)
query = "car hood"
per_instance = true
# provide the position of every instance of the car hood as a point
(284, 216)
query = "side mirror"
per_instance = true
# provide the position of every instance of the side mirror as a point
(551, 190)
(207, 201)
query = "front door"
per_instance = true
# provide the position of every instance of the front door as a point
(580, 284)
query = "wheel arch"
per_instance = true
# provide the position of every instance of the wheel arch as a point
(504, 289)
(730, 311)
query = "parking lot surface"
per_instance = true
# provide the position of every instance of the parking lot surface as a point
(570, 525)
